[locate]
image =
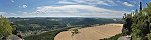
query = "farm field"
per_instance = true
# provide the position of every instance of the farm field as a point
(92, 33)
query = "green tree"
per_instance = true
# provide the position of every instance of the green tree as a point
(140, 23)
(5, 27)
(74, 31)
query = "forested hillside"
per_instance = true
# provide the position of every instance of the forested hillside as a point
(33, 24)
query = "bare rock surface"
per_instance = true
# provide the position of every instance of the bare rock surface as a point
(92, 33)
(14, 37)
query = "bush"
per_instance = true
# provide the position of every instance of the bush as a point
(149, 36)
(5, 27)
(114, 37)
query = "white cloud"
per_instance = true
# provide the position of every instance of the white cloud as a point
(133, 10)
(23, 6)
(103, 3)
(92, 2)
(127, 4)
(77, 10)
(69, 11)
(65, 2)
(8, 14)
(12, 1)
(2, 13)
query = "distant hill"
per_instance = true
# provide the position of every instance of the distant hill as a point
(34, 24)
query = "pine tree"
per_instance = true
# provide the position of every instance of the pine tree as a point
(5, 27)
(141, 23)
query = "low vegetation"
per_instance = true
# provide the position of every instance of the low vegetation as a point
(114, 37)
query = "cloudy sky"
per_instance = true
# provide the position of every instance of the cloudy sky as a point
(68, 8)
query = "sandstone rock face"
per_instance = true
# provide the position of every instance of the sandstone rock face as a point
(92, 33)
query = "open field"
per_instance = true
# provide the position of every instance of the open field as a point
(92, 33)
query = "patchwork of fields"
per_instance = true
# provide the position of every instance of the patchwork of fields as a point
(92, 33)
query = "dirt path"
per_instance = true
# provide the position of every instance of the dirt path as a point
(91, 33)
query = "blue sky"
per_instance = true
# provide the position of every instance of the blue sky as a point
(68, 8)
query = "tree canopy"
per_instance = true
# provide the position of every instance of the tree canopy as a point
(140, 23)
(5, 27)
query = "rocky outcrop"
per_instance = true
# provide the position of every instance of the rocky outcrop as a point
(14, 37)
